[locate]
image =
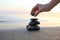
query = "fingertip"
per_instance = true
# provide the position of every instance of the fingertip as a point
(32, 14)
(35, 15)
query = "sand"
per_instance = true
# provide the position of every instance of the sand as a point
(46, 33)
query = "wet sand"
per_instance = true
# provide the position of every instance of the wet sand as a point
(46, 33)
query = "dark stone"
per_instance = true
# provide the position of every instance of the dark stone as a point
(34, 19)
(33, 28)
(33, 25)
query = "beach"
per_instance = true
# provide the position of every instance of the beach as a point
(47, 33)
(18, 31)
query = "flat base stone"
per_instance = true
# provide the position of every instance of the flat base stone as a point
(33, 28)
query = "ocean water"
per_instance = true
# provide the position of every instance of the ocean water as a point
(17, 20)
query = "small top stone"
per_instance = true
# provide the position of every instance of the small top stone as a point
(34, 19)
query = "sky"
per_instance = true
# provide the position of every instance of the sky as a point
(18, 8)
(23, 5)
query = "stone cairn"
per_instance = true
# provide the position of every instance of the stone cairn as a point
(33, 25)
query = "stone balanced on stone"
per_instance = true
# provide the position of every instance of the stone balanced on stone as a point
(33, 25)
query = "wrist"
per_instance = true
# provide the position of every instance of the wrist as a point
(52, 4)
(57, 1)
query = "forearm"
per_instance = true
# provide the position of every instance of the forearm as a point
(52, 4)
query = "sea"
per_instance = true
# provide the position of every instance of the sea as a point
(18, 20)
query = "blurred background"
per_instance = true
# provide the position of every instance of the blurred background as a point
(17, 12)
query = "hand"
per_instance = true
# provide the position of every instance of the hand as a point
(39, 8)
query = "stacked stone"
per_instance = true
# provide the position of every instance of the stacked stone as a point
(33, 25)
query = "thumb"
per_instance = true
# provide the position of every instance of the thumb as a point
(37, 12)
